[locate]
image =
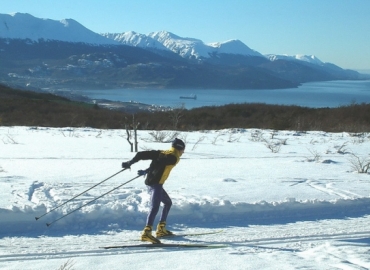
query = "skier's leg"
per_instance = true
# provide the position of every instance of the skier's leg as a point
(155, 202)
(166, 200)
(161, 228)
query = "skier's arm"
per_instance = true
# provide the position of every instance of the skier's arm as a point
(143, 155)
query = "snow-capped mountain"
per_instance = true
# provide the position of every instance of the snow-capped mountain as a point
(234, 46)
(26, 26)
(190, 47)
(132, 38)
(312, 59)
(185, 47)
(159, 59)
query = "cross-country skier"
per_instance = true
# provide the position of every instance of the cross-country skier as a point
(157, 173)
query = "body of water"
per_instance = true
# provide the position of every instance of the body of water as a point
(314, 95)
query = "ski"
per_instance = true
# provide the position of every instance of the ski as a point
(179, 235)
(191, 234)
(164, 245)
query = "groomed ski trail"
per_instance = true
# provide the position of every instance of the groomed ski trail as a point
(230, 246)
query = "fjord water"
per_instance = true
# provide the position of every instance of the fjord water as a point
(314, 95)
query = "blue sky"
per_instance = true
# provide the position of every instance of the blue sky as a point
(336, 31)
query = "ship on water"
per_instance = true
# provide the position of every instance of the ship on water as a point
(192, 96)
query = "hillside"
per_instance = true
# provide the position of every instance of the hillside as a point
(58, 65)
(65, 65)
(25, 108)
(50, 54)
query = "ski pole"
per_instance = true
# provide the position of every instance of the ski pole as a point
(37, 218)
(48, 224)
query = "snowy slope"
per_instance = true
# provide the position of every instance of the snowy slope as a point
(233, 47)
(190, 47)
(301, 206)
(25, 26)
(312, 59)
(135, 39)
(185, 47)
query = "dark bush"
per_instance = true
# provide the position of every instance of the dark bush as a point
(25, 108)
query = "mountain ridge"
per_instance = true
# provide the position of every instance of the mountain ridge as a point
(63, 54)
(70, 30)
(26, 26)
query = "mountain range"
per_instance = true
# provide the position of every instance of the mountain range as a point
(54, 54)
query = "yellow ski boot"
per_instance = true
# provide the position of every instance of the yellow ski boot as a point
(147, 236)
(162, 231)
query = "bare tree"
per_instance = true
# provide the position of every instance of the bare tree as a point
(360, 164)
(9, 139)
(218, 135)
(68, 265)
(132, 128)
(175, 115)
(341, 149)
(316, 156)
(198, 141)
(163, 136)
(257, 136)
(274, 146)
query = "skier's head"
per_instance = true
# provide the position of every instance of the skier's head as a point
(178, 144)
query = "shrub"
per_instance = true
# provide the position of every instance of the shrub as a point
(360, 164)
(52, 111)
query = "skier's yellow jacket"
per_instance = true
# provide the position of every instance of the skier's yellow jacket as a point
(161, 165)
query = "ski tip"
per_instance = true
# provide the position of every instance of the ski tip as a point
(37, 218)
(48, 224)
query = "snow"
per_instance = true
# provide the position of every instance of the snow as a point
(234, 47)
(284, 200)
(309, 58)
(26, 26)
(135, 39)
(185, 47)
(191, 47)
(312, 59)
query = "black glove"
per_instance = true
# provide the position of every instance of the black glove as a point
(142, 172)
(126, 165)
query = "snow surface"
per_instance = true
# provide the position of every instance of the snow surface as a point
(135, 39)
(190, 47)
(284, 200)
(185, 47)
(312, 59)
(26, 26)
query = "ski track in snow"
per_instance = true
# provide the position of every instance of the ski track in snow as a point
(35, 185)
(77, 247)
(331, 190)
(312, 215)
(328, 188)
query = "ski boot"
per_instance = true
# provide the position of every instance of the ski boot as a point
(162, 231)
(146, 235)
